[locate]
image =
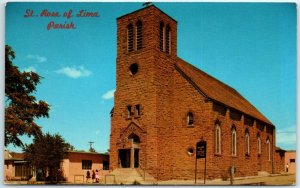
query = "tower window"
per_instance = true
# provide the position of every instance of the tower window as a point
(190, 119)
(139, 35)
(137, 110)
(168, 39)
(133, 68)
(128, 111)
(130, 38)
(161, 36)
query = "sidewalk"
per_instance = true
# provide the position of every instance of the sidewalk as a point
(274, 179)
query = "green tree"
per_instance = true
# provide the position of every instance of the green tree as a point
(46, 153)
(92, 149)
(21, 107)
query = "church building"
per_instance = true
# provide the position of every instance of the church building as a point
(163, 106)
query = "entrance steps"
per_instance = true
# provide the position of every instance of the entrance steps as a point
(131, 176)
(263, 173)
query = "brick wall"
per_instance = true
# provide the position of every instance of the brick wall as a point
(279, 161)
(166, 96)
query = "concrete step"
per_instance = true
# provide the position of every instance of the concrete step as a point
(263, 173)
(148, 178)
(127, 176)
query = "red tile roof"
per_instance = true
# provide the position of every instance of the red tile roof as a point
(19, 156)
(217, 91)
(13, 156)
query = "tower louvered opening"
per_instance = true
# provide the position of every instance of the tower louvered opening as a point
(139, 35)
(130, 38)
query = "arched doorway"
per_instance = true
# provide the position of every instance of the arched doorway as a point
(129, 156)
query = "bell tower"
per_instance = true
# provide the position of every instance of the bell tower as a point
(146, 53)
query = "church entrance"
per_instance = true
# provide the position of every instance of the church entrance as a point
(136, 158)
(124, 158)
(129, 157)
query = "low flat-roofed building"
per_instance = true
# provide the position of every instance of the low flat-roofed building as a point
(77, 163)
(290, 160)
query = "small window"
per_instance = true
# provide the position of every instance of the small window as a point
(130, 38)
(86, 164)
(233, 141)
(133, 68)
(217, 138)
(137, 110)
(258, 145)
(128, 111)
(105, 165)
(247, 141)
(161, 36)
(190, 119)
(168, 39)
(269, 149)
(292, 160)
(190, 151)
(139, 35)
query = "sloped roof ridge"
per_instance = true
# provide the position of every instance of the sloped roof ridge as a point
(211, 77)
(244, 103)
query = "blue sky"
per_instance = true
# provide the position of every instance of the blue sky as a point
(249, 46)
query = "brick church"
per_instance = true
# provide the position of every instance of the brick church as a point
(163, 106)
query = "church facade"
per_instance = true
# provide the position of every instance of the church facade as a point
(163, 106)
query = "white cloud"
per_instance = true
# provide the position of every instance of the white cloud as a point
(29, 69)
(74, 72)
(38, 58)
(108, 94)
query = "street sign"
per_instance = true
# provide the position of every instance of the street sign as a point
(200, 153)
(201, 149)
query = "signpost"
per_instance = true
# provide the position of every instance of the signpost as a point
(200, 153)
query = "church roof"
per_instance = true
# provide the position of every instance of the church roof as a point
(217, 91)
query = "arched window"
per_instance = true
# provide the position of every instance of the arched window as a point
(247, 141)
(161, 35)
(190, 119)
(139, 35)
(134, 137)
(168, 39)
(217, 138)
(233, 141)
(268, 149)
(258, 144)
(130, 38)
